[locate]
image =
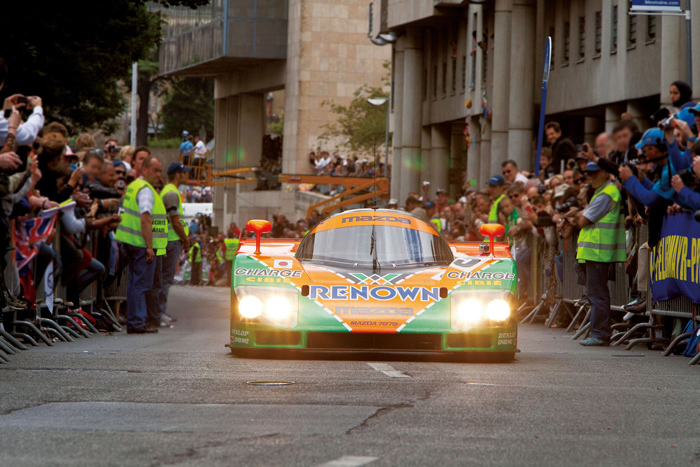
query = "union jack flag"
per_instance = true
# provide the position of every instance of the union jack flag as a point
(29, 232)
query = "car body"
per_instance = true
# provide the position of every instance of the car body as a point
(374, 280)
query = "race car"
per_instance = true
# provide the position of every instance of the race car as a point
(374, 280)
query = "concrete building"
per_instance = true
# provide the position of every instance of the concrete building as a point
(450, 52)
(314, 50)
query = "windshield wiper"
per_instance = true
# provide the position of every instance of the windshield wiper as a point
(373, 251)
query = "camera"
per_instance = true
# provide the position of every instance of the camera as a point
(688, 176)
(667, 123)
(568, 204)
(544, 219)
(426, 183)
(113, 148)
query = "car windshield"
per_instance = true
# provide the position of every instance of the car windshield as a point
(366, 245)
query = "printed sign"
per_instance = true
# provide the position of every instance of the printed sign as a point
(656, 5)
(674, 264)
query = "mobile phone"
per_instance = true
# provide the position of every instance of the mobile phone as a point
(7, 114)
(22, 99)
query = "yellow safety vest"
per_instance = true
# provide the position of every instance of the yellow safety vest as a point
(493, 214)
(231, 248)
(172, 235)
(198, 257)
(129, 229)
(604, 240)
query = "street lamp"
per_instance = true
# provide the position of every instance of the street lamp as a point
(377, 101)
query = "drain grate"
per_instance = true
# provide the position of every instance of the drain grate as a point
(270, 383)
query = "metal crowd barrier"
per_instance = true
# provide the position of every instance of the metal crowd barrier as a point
(48, 322)
(569, 293)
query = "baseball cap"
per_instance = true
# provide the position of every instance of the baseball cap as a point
(177, 167)
(497, 180)
(652, 136)
(440, 190)
(591, 167)
(687, 116)
(429, 205)
(393, 201)
(560, 190)
(694, 110)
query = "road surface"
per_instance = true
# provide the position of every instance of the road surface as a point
(180, 398)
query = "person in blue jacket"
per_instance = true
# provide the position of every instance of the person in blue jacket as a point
(661, 149)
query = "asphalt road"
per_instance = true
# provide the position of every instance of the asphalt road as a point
(180, 398)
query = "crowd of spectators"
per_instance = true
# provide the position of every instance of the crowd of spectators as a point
(62, 204)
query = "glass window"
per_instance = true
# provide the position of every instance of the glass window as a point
(582, 37)
(613, 42)
(360, 246)
(651, 27)
(598, 31)
(567, 41)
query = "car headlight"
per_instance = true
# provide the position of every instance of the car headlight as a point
(250, 307)
(277, 306)
(498, 310)
(474, 308)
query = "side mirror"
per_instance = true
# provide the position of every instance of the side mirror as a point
(258, 226)
(492, 231)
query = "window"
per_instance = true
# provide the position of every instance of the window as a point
(464, 73)
(454, 75)
(425, 84)
(632, 31)
(582, 37)
(651, 27)
(485, 55)
(598, 32)
(444, 79)
(435, 80)
(567, 41)
(613, 42)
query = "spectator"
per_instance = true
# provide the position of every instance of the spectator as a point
(414, 207)
(442, 199)
(143, 231)
(511, 174)
(200, 153)
(431, 214)
(604, 144)
(125, 155)
(186, 149)
(681, 94)
(601, 242)
(84, 141)
(112, 149)
(140, 154)
(563, 148)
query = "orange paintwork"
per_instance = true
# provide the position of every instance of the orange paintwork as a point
(380, 218)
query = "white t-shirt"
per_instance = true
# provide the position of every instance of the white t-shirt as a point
(199, 149)
(521, 178)
(145, 200)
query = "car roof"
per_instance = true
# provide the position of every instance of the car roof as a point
(377, 217)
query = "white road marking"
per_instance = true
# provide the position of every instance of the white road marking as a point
(388, 370)
(349, 461)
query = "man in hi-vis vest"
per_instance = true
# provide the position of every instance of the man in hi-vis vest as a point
(600, 243)
(178, 233)
(143, 230)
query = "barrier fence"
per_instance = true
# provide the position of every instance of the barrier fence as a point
(559, 297)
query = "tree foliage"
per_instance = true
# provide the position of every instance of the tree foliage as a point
(360, 126)
(190, 106)
(73, 53)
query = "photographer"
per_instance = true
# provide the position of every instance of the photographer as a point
(94, 164)
(688, 196)
(26, 133)
(563, 148)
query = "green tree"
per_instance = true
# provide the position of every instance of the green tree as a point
(360, 126)
(74, 53)
(189, 106)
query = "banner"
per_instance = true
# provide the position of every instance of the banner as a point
(656, 5)
(674, 264)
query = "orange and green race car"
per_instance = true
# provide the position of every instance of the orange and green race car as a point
(374, 280)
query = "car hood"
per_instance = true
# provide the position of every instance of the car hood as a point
(367, 302)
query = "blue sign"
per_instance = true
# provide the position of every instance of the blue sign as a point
(656, 5)
(674, 264)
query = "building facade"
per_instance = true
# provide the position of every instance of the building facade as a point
(314, 50)
(450, 53)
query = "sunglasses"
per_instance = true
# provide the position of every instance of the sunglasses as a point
(121, 172)
(514, 196)
(578, 181)
(506, 172)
